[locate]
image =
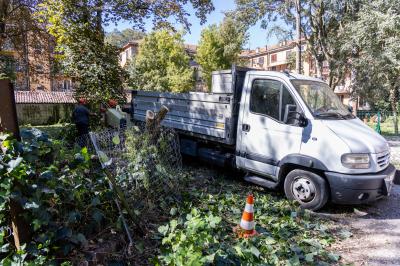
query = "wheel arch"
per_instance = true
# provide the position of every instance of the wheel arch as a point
(303, 162)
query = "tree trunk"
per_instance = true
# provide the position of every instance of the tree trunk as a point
(298, 44)
(99, 20)
(393, 103)
(153, 121)
(318, 67)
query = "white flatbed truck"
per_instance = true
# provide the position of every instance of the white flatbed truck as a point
(284, 130)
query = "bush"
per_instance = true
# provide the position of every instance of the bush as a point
(64, 201)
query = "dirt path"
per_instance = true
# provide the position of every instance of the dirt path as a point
(375, 228)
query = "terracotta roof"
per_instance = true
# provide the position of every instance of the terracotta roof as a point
(44, 97)
(131, 43)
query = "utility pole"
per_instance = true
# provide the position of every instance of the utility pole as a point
(298, 33)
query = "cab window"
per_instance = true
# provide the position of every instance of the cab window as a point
(270, 97)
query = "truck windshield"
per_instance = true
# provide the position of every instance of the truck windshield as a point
(322, 101)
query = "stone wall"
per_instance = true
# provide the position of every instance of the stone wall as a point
(43, 113)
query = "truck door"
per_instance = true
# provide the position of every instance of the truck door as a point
(265, 137)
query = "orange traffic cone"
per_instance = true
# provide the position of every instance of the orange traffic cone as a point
(246, 227)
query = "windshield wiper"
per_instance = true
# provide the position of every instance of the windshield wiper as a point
(330, 114)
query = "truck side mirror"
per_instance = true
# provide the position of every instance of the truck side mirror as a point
(350, 108)
(292, 117)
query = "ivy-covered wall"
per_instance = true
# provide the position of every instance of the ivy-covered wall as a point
(43, 113)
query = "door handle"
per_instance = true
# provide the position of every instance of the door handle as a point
(246, 127)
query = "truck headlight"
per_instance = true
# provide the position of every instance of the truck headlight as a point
(356, 160)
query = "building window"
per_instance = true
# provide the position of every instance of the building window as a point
(274, 58)
(288, 53)
(37, 48)
(261, 60)
(39, 69)
(66, 85)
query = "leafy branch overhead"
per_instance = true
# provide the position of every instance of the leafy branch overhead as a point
(78, 30)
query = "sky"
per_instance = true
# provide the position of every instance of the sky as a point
(257, 35)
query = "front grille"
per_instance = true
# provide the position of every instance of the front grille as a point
(383, 159)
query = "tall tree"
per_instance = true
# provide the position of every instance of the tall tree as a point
(374, 39)
(162, 64)
(120, 38)
(220, 46)
(78, 26)
(322, 24)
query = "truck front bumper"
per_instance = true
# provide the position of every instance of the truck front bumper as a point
(357, 189)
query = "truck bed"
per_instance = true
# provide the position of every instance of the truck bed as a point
(205, 115)
(211, 116)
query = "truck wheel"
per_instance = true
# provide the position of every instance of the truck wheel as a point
(307, 188)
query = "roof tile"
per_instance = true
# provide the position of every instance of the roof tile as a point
(44, 97)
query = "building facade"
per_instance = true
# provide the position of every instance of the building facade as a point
(34, 66)
(283, 56)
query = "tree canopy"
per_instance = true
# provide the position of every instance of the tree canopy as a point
(322, 23)
(78, 29)
(374, 39)
(162, 64)
(220, 46)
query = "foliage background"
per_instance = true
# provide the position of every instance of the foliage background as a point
(220, 46)
(162, 64)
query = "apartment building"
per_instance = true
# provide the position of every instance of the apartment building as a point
(282, 56)
(34, 65)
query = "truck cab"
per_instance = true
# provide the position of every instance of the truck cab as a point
(294, 130)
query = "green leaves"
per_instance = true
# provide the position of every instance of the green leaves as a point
(220, 47)
(162, 64)
(204, 222)
(12, 164)
(61, 205)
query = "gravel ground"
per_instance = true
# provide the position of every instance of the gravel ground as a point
(375, 227)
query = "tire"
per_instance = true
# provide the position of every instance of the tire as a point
(307, 188)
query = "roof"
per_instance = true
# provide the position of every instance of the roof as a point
(44, 97)
(130, 44)
(260, 51)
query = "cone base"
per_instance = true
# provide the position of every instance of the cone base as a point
(241, 233)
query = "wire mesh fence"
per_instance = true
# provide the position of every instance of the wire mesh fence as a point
(145, 165)
(116, 148)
